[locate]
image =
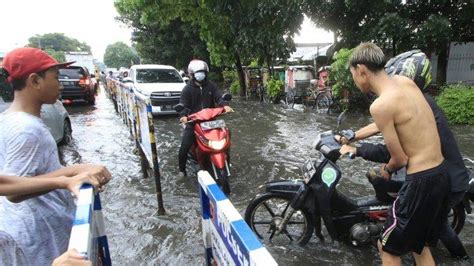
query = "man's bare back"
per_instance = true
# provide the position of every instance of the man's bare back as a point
(403, 104)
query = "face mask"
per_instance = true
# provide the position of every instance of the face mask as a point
(200, 76)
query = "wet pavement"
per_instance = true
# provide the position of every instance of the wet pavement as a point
(269, 143)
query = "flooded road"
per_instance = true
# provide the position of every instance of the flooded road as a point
(269, 143)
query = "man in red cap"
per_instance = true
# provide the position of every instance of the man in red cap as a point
(38, 223)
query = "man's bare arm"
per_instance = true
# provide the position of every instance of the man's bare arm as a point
(383, 115)
(363, 133)
(98, 172)
(367, 131)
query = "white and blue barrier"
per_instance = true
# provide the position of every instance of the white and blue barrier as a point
(228, 239)
(88, 231)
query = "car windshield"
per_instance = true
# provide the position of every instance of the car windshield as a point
(72, 73)
(158, 76)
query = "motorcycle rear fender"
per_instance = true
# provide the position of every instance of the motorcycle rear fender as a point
(284, 186)
(218, 159)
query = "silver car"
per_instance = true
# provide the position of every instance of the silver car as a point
(56, 119)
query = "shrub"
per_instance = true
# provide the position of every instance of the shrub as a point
(342, 81)
(341, 76)
(229, 77)
(273, 89)
(235, 87)
(457, 103)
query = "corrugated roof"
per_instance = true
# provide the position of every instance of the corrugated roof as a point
(307, 52)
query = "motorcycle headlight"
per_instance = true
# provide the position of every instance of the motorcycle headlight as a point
(217, 144)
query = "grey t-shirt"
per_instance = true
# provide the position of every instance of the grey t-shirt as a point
(40, 226)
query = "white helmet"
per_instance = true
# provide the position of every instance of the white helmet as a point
(196, 66)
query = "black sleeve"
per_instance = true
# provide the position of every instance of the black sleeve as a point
(186, 100)
(217, 95)
(374, 152)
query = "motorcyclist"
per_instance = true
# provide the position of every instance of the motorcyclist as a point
(198, 94)
(415, 65)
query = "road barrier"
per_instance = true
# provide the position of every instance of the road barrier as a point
(136, 114)
(228, 240)
(88, 232)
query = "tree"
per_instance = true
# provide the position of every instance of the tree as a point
(119, 55)
(56, 44)
(398, 26)
(233, 31)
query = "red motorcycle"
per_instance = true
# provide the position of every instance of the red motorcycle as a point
(211, 150)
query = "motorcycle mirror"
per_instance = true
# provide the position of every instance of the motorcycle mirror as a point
(340, 118)
(179, 107)
(227, 97)
(127, 80)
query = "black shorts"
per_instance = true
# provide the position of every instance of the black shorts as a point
(418, 213)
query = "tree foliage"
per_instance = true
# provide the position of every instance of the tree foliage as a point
(119, 55)
(234, 32)
(398, 25)
(56, 44)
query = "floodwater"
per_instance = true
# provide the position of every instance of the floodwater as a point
(269, 143)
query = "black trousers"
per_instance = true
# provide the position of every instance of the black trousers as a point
(447, 235)
(187, 140)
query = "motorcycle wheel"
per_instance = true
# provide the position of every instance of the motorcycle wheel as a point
(457, 217)
(267, 210)
(223, 180)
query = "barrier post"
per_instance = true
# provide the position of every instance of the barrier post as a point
(156, 167)
(228, 240)
(88, 230)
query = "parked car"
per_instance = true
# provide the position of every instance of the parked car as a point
(162, 84)
(78, 84)
(56, 119)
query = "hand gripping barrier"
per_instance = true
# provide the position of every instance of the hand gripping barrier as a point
(88, 232)
(227, 238)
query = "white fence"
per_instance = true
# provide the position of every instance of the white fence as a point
(228, 239)
(88, 232)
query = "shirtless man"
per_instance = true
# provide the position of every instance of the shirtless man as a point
(409, 129)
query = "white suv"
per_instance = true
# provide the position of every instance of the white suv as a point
(162, 84)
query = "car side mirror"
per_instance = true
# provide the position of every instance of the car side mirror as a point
(179, 107)
(227, 97)
(127, 80)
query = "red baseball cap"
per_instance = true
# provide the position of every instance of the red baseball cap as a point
(24, 61)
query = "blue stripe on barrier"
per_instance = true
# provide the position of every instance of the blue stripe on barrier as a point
(148, 108)
(246, 235)
(216, 192)
(83, 215)
(204, 204)
(97, 206)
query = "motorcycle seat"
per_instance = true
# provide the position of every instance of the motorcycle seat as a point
(368, 201)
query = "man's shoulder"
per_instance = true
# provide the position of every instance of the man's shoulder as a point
(19, 123)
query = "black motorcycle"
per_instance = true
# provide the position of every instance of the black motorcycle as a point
(291, 210)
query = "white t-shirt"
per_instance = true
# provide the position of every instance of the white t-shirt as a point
(40, 226)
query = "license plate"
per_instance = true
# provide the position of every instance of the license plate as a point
(208, 125)
(308, 170)
(67, 83)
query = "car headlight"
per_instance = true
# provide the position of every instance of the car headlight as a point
(217, 144)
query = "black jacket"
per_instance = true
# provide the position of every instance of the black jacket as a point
(195, 98)
(457, 171)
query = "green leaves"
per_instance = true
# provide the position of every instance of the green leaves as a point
(341, 76)
(119, 55)
(274, 89)
(456, 102)
(56, 44)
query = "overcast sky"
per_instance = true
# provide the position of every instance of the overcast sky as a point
(90, 21)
